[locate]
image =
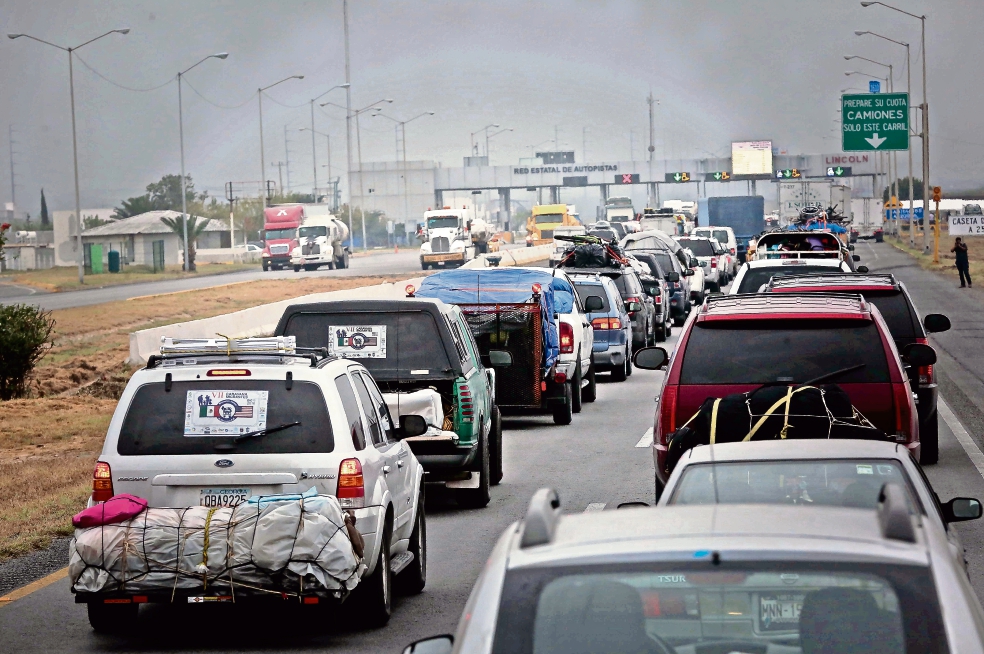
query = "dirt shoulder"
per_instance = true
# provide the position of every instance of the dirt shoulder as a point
(947, 265)
(56, 280)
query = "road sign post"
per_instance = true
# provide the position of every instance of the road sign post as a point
(937, 191)
(875, 122)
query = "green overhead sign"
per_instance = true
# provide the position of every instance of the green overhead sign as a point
(875, 122)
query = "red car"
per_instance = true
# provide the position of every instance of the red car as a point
(737, 343)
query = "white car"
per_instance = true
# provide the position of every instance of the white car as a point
(576, 341)
(698, 282)
(726, 237)
(703, 249)
(753, 275)
(200, 427)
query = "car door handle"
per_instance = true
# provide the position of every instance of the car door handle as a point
(386, 470)
(399, 464)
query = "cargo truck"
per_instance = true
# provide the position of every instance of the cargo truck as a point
(280, 234)
(744, 214)
(544, 219)
(451, 239)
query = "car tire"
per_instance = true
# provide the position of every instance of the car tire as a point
(495, 447)
(266, 266)
(713, 287)
(929, 438)
(374, 594)
(576, 397)
(413, 578)
(660, 333)
(343, 261)
(424, 266)
(618, 372)
(477, 498)
(628, 364)
(112, 618)
(563, 413)
(590, 392)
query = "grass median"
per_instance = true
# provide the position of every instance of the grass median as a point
(49, 443)
(947, 265)
(67, 278)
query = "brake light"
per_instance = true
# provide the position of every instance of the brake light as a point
(566, 338)
(714, 262)
(667, 413)
(732, 251)
(606, 323)
(466, 406)
(633, 299)
(925, 372)
(902, 398)
(102, 482)
(658, 299)
(351, 492)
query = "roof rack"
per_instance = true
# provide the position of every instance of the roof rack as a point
(784, 302)
(189, 350)
(833, 279)
(541, 519)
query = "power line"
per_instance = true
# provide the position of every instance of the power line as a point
(117, 84)
(288, 106)
(216, 104)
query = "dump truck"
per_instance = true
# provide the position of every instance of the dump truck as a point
(544, 219)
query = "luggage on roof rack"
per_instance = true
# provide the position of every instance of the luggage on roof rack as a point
(589, 251)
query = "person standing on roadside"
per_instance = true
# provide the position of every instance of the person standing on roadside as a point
(963, 264)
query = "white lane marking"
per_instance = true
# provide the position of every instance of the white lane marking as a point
(595, 506)
(872, 250)
(646, 440)
(970, 447)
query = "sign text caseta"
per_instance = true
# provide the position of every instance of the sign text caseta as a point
(565, 169)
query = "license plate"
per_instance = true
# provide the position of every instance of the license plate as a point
(780, 612)
(222, 497)
(202, 599)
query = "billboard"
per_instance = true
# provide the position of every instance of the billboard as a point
(751, 158)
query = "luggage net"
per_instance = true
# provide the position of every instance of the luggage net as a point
(514, 328)
(266, 545)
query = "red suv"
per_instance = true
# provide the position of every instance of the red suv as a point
(737, 343)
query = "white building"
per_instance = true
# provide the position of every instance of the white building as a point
(134, 238)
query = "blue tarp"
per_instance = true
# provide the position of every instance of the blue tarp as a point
(506, 286)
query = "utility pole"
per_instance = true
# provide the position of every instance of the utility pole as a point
(556, 138)
(280, 168)
(13, 175)
(287, 157)
(348, 119)
(652, 124)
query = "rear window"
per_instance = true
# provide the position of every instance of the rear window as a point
(899, 315)
(627, 285)
(584, 291)
(699, 248)
(787, 351)
(721, 235)
(755, 277)
(651, 263)
(665, 262)
(195, 416)
(387, 344)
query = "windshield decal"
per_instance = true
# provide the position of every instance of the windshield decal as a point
(222, 413)
(357, 341)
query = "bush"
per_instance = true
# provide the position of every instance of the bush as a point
(25, 337)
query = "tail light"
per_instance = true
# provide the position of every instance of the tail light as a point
(606, 323)
(351, 492)
(466, 404)
(732, 251)
(926, 375)
(102, 482)
(566, 338)
(633, 298)
(714, 262)
(902, 399)
(667, 413)
(658, 299)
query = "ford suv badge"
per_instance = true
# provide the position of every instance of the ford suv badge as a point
(223, 463)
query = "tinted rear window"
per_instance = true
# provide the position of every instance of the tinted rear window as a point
(721, 235)
(755, 277)
(156, 420)
(584, 291)
(651, 263)
(763, 351)
(699, 248)
(899, 315)
(627, 285)
(666, 262)
(412, 340)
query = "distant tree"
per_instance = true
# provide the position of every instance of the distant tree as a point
(196, 226)
(90, 222)
(45, 220)
(166, 194)
(134, 207)
(903, 190)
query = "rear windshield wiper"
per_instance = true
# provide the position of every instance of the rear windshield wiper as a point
(227, 447)
(816, 380)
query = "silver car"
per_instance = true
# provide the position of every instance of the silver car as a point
(208, 429)
(709, 579)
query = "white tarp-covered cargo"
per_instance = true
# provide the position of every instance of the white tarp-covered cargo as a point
(283, 544)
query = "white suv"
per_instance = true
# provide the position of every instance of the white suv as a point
(200, 427)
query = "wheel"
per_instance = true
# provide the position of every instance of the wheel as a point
(311, 267)
(298, 268)
(424, 266)
(343, 261)
(331, 265)
(929, 437)
(669, 329)
(576, 399)
(590, 392)
(414, 577)
(373, 597)
(112, 618)
(495, 447)
(628, 364)
(266, 266)
(618, 373)
(476, 498)
(563, 413)
(713, 287)
(661, 333)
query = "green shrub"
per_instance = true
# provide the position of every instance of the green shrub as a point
(25, 337)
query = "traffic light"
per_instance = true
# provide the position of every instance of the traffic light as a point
(937, 191)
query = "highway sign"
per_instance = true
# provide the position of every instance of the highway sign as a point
(627, 178)
(966, 225)
(875, 122)
(903, 214)
(838, 171)
(874, 87)
(719, 176)
(676, 178)
(789, 173)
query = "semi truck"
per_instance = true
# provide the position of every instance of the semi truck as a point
(320, 242)
(544, 219)
(744, 214)
(451, 239)
(280, 225)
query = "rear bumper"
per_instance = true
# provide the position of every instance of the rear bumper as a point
(442, 453)
(611, 357)
(442, 258)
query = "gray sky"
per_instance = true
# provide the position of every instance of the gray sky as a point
(722, 71)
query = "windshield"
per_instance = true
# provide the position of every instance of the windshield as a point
(194, 416)
(786, 351)
(754, 278)
(606, 234)
(699, 247)
(442, 222)
(281, 234)
(615, 218)
(548, 218)
(665, 262)
(852, 483)
(808, 607)
(312, 232)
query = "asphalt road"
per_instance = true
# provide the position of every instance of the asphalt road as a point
(600, 460)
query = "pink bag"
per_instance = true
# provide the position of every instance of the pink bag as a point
(118, 508)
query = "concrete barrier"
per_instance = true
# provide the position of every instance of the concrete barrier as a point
(262, 320)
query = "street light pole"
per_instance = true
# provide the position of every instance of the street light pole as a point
(259, 95)
(402, 125)
(314, 156)
(80, 258)
(488, 136)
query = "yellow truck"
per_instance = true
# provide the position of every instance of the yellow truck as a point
(544, 219)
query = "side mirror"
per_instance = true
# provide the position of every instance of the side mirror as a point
(851, 248)
(862, 269)
(919, 355)
(936, 323)
(856, 257)
(962, 508)
(632, 307)
(650, 358)
(433, 645)
(594, 303)
(654, 291)
(501, 358)
(688, 273)
(412, 425)
(673, 277)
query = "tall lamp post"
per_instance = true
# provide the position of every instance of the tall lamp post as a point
(488, 137)
(881, 169)
(314, 156)
(75, 146)
(908, 90)
(328, 166)
(486, 130)
(184, 200)
(259, 95)
(401, 126)
(893, 176)
(924, 106)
